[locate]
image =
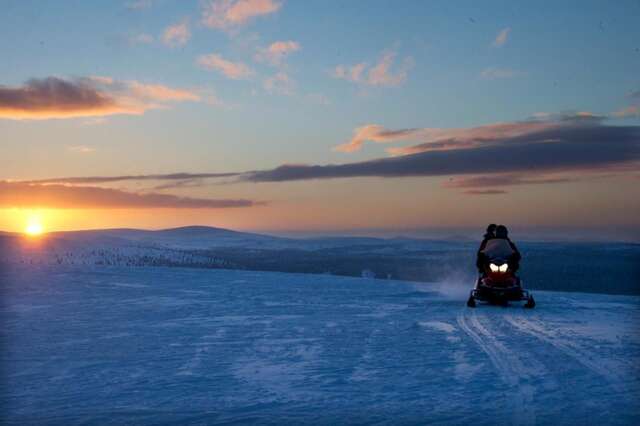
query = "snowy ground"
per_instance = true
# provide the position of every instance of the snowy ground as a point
(189, 346)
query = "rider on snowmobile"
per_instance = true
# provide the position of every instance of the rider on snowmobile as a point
(501, 233)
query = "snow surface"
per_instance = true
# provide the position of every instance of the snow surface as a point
(115, 345)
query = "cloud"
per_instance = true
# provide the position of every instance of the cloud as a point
(439, 139)
(485, 192)
(177, 35)
(75, 180)
(635, 95)
(630, 111)
(158, 92)
(380, 74)
(493, 73)
(54, 97)
(502, 37)
(279, 83)
(276, 52)
(376, 133)
(504, 180)
(228, 14)
(24, 195)
(80, 149)
(563, 149)
(576, 146)
(233, 70)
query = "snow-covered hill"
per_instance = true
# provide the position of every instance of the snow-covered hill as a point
(88, 345)
(585, 267)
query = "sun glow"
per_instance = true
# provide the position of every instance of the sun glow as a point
(34, 227)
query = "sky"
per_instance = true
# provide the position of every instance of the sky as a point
(320, 116)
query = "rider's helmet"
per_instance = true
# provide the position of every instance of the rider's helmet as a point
(502, 232)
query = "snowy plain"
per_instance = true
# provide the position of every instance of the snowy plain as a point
(153, 345)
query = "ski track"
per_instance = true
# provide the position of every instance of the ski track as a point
(579, 354)
(509, 366)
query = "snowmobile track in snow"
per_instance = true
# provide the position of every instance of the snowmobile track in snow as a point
(509, 366)
(577, 353)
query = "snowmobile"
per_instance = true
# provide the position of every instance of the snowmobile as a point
(499, 284)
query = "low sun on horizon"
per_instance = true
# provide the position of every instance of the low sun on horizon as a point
(34, 227)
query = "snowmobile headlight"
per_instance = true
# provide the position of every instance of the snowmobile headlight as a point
(494, 267)
(503, 268)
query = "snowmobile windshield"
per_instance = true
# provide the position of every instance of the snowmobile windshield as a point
(498, 248)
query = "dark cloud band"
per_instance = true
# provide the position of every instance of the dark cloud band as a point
(18, 194)
(555, 150)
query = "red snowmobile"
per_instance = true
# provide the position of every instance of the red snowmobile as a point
(499, 284)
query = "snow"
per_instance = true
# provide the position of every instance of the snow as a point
(114, 345)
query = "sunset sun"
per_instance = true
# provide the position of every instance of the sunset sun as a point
(34, 227)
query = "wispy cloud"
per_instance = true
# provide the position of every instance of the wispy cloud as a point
(177, 35)
(380, 74)
(24, 195)
(229, 14)
(493, 73)
(376, 133)
(501, 38)
(79, 180)
(508, 179)
(485, 192)
(276, 52)
(233, 70)
(80, 149)
(158, 92)
(55, 97)
(630, 111)
(279, 83)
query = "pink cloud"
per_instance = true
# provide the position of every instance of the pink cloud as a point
(279, 83)
(376, 133)
(502, 37)
(380, 74)
(177, 34)
(277, 52)
(233, 70)
(158, 92)
(631, 111)
(226, 14)
(433, 139)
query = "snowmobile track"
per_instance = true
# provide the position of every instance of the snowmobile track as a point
(579, 354)
(510, 367)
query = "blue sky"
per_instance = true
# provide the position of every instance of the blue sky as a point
(442, 65)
